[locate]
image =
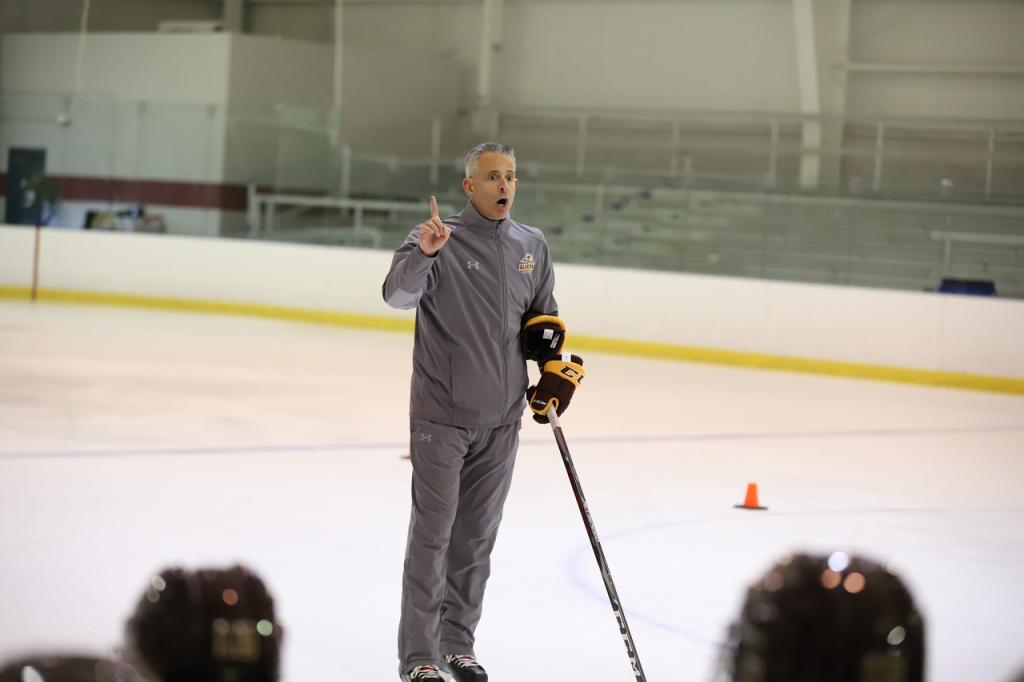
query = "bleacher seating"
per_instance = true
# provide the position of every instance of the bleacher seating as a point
(631, 220)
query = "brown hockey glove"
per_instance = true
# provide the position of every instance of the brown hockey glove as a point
(560, 377)
(542, 336)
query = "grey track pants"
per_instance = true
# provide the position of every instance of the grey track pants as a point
(460, 480)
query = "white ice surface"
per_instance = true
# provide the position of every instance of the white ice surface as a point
(133, 440)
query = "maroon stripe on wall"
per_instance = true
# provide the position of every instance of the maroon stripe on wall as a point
(220, 196)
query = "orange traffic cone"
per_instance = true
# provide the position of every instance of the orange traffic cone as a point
(750, 501)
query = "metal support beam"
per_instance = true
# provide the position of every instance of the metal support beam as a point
(337, 117)
(234, 16)
(1008, 70)
(490, 42)
(990, 159)
(435, 149)
(810, 100)
(773, 156)
(673, 163)
(338, 45)
(876, 183)
(80, 59)
(835, 51)
(581, 145)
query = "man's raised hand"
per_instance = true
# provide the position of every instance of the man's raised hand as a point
(433, 233)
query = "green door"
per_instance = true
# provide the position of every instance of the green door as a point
(26, 171)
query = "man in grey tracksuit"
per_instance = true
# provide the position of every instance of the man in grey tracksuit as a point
(472, 278)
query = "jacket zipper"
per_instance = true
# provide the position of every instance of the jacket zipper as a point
(504, 307)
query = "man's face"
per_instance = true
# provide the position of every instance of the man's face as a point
(492, 188)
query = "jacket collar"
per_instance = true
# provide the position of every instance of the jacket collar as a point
(472, 218)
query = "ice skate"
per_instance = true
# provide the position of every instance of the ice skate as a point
(428, 673)
(466, 668)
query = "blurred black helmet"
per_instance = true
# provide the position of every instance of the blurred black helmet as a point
(57, 668)
(207, 625)
(839, 618)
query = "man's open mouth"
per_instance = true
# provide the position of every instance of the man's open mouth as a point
(502, 202)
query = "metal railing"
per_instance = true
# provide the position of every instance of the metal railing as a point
(948, 239)
(337, 220)
(975, 159)
(722, 194)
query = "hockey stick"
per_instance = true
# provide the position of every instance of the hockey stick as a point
(595, 542)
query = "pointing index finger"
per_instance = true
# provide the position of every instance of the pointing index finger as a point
(433, 207)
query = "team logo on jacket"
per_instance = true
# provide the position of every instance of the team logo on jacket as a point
(527, 263)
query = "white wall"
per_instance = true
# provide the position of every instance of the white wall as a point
(899, 329)
(133, 66)
(938, 32)
(104, 15)
(156, 107)
(703, 54)
(216, 107)
(269, 273)
(390, 97)
(111, 139)
(277, 118)
(709, 54)
(204, 68)
(16, 254)
(151, 105)
(267, 70)
(313, 21)
(692, 54)
(643, 54)
(843, 324)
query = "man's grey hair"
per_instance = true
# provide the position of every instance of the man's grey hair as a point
(473, 156)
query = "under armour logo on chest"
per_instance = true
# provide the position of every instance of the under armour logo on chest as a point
(426, 437)
(472, 265)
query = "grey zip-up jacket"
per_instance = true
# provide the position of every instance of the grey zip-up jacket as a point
(470, 298)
